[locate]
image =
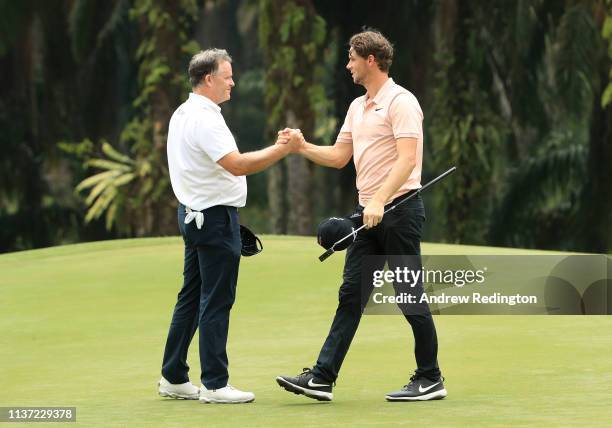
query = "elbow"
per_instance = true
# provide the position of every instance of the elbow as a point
(238, 169)
(239, 172)
(241, 167)
(340, 163)
(234, 163)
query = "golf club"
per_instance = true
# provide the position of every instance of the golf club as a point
(331, 250)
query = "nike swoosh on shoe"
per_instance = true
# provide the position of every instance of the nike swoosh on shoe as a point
(422, 390)
(315, 385)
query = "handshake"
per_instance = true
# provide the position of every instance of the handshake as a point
(292, 138)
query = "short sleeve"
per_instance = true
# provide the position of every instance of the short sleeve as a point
(216, 140)
(346, 134)
(406, 117)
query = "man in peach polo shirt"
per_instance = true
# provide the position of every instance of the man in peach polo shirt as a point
(383, 134)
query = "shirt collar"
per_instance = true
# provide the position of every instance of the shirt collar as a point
(383, 89)
(203, 101)
(381, 92)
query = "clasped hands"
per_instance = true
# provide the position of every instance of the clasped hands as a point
(293, 138)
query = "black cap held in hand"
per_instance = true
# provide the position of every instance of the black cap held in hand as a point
(251, 244)
(332, 230)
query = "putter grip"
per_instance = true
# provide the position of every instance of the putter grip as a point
(326, 254)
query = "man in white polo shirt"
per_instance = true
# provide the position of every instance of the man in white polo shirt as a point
(207, 173)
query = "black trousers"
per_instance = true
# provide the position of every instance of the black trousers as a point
(399, 233)
(210, 274)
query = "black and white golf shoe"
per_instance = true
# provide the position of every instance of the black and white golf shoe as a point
(307, 384)
(420, 388)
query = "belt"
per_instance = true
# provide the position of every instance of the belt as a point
(396, 200)
(401, 198)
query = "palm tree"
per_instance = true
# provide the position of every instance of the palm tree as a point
(546, 190)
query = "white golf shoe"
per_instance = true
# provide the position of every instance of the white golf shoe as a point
(227, 394)
(185, 391)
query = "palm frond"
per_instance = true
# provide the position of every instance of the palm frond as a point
(575, 55)
(109, 165)
(546, 182)
(94, 179)
(104, 194)
(114, 154)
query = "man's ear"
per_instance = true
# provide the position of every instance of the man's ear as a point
(371, 60)
(208, 80)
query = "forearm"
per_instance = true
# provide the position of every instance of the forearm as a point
(322, 155)
(397, 176)
(253, 162)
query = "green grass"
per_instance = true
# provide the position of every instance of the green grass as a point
(84, 325)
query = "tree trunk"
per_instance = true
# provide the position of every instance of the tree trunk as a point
(276, 198)
(290, 35)
(299, 194)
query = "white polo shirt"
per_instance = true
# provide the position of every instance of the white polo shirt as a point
(197, 138)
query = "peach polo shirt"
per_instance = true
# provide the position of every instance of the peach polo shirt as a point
(372, 126)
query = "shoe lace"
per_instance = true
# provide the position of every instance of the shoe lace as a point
(413, 378)
(416, 377)
(308, 371)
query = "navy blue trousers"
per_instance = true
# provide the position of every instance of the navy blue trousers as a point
(210, 274)
(399, 233)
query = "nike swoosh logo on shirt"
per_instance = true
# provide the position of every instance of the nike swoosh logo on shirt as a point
(422, 390)
(315, 385)
(376, 109)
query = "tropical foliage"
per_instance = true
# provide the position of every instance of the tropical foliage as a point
(516, 94)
